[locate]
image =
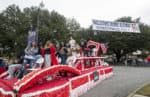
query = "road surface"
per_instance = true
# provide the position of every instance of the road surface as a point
(124, 81)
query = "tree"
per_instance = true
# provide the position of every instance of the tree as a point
(15, 24)
(73, 26)
(58, 26)
(52, 25)
(11, 28)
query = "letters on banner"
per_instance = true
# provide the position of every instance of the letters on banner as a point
(115, 26)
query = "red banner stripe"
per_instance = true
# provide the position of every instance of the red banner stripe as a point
(78, 82)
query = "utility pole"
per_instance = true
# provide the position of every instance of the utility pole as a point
(38, 19)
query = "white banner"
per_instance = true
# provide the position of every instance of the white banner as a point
(115, 26)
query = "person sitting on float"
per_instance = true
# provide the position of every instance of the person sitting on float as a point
(13, 64)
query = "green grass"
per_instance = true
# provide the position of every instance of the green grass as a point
(144, 90)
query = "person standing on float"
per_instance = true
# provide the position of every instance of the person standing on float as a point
(63, 53)
(53, 54)
(31, 52)
(47, 54)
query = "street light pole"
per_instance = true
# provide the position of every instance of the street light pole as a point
(38, 19)
(38, 22)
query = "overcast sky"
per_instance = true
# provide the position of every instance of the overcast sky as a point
(86, 10)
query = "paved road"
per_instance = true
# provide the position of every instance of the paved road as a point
(124, 81)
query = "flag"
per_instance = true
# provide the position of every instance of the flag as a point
(32, 35)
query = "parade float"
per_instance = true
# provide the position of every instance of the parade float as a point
(59, 80)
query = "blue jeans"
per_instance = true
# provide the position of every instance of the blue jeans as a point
(63, 58)
(26, 61)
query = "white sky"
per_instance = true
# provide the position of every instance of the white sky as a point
(86, 10)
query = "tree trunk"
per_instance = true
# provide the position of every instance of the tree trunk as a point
(118, 55)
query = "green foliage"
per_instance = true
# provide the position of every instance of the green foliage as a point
(58, 26)
(14, 25)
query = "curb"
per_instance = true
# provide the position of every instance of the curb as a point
(134, 91)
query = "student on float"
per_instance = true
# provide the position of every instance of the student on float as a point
(31, 54)
(48, 52)
(53, 54)
(63, 53)
(72, 43)
(83, 45)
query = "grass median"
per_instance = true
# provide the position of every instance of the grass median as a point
(144, 90)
